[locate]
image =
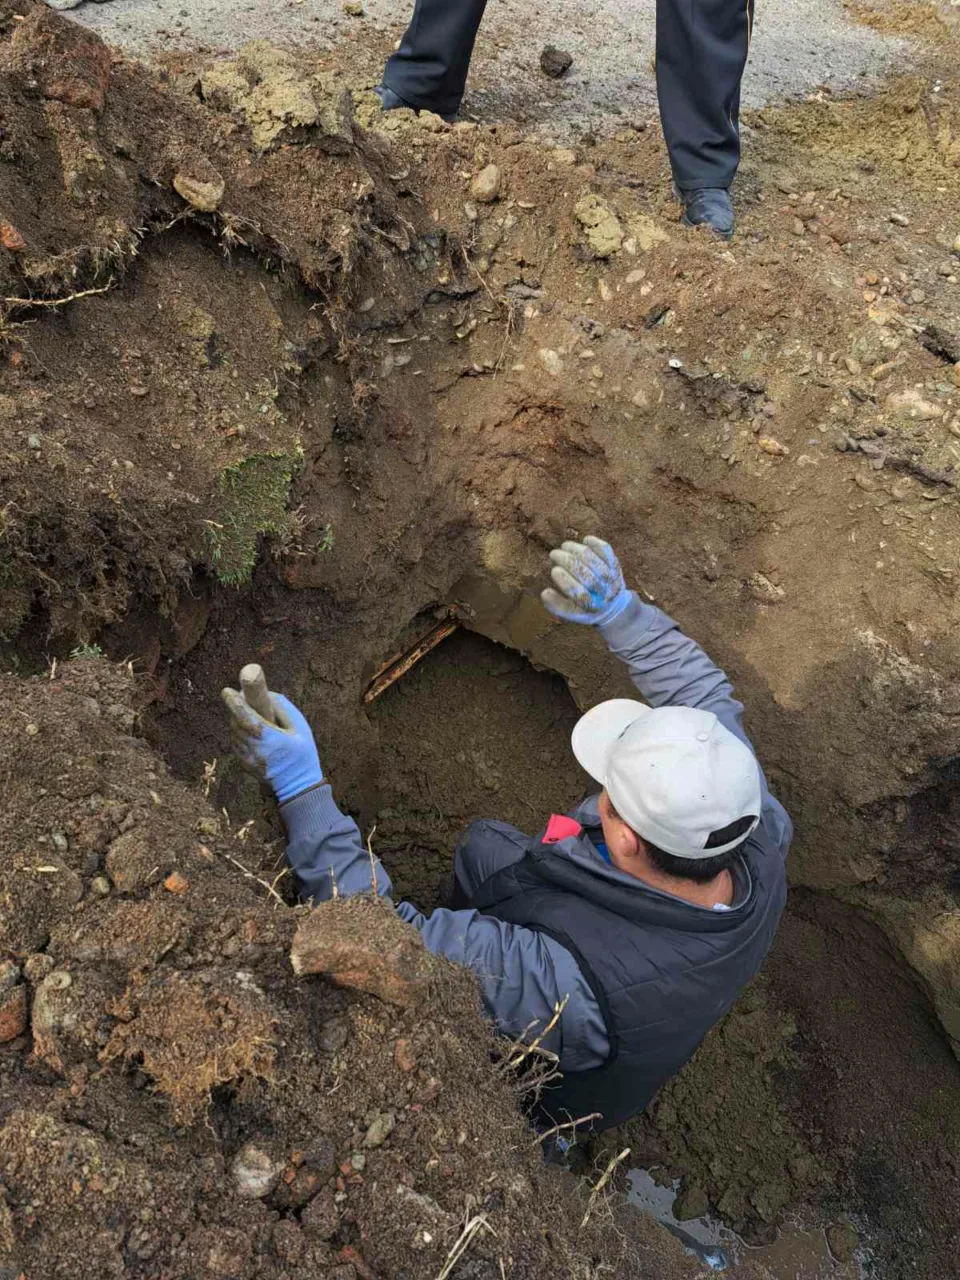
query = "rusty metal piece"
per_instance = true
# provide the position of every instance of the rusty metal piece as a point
(401, 663)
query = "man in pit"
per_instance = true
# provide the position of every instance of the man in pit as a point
(640, 916)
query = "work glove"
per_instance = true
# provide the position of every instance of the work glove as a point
(284, 753)
(588, 584)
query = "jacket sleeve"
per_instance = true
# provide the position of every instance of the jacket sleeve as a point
(523, 974)
(671, 670)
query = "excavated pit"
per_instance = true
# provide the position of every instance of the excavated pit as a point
(296, 419)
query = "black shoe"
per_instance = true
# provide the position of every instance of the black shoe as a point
(709, 207)
(391, 101)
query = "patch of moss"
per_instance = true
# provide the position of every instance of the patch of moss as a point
(254, 492)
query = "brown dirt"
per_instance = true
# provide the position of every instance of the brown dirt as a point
(294, 427)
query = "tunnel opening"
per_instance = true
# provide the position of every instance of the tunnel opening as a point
(473, 731)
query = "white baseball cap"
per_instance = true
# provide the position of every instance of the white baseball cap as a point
(675, 775)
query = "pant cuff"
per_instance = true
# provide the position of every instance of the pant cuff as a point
(415, 101)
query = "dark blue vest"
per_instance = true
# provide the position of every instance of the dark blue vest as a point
(662, 971)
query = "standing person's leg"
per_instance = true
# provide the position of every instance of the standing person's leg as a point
(702, 48)
(429, 70)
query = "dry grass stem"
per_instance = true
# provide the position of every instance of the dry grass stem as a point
(270, 886)
(462, 1244)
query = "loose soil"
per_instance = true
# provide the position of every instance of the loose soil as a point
(294, 421)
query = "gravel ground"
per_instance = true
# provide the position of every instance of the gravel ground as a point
(799, 46)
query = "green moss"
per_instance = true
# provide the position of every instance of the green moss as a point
(254, 502)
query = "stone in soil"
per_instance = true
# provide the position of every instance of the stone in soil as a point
(485, 187)
(255, 1172)
(199, 183)
(555, 62)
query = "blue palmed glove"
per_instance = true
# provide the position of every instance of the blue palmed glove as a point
(284, 753)
(588, 584)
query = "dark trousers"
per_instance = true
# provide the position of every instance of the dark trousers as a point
(702, 48)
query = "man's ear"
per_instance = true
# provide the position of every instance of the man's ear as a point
(633, 844)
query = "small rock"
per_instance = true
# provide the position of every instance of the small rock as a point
(353, 9)
(470, 211)
(334, 1035)
(551, 361)
(773, 447)
(11, 238)
(900, 219)
(403, 1055)
(101, 886)
(843, 1241)
(255, 1172)
(604, 290)
(853, 366)
(9, 976)
(555, 62)
(176, 883)
(636, 277)
(566, 156)
(320, 1156)
(200, 184)
(33, 442)
(380, 1130)
(912, 404)
(918, 296)
(788, 184)
(956, 245)
(320, 1218)
(13, 1013)
(692, 1202)
(485, 186)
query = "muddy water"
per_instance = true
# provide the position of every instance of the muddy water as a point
(800, 1251)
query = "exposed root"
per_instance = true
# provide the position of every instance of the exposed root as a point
(604, 1179)
(51, 303)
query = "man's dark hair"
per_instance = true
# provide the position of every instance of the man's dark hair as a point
(704, 869)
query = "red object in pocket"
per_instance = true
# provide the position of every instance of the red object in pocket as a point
(560, 828)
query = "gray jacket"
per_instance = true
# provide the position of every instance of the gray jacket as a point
(524, 974)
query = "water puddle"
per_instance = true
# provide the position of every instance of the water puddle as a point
(798, 1253)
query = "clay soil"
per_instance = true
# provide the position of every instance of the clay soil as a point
(275, 385)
